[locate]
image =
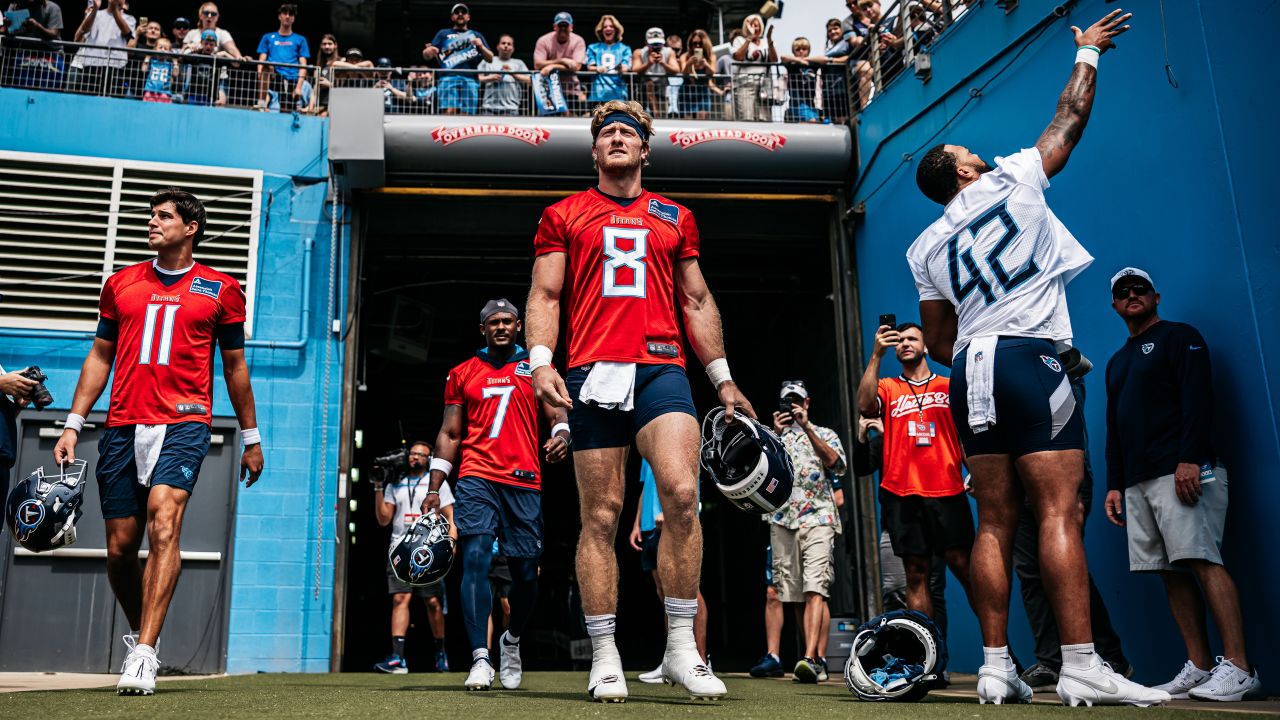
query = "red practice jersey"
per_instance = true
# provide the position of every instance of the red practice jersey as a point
(922, 453)
(164, 349)
(500, 440)
(620, 282)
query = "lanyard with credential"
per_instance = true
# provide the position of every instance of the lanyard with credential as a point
(922, 431)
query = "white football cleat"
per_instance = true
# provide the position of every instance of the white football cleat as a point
(606, 682)
(1001, 687)
(1100, 685)
(138, 675)
(481, 675)
(688, 670)
(1187, 679)
(510, 670)
(1228, 684)
(652, 677)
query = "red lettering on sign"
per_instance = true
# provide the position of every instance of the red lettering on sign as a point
(450, 135)
(688, 138)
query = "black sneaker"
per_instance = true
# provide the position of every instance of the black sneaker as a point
(822, 669)
(1040, 676)
(769, 666)
(805, 671)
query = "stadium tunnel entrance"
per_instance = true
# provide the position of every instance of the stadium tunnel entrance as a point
(429, 248)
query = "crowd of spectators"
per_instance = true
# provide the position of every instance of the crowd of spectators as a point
(674, 74)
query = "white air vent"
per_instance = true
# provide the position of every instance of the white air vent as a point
(68, 222)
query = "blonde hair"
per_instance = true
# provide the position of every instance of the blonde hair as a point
(627, 107)
(800, 42)
(708, 50)
(616, 24)
(747, 20)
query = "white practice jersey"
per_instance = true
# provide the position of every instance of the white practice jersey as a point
(1001, 256)
(408, 494)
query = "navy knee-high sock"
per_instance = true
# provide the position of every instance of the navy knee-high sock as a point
(524, 592)
(477, 598)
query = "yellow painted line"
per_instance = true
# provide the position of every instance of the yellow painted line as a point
(505, 192)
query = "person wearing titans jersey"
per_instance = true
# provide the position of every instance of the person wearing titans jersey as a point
(992, 275)
(159, 323)
(491, 420)
(625, 261)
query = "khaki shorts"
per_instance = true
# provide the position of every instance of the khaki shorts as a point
(802, 560)
(1162, 530)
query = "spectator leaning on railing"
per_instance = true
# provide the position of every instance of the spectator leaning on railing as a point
(209, 15)
(699, 85)
(655, 61)
(835, 82)
(326, 61)
(160, 74)
(565, 51)
(287, 47)
(202, 84)
(147, 35)
(607, 59)
(93, 69)
(802, 82)
(458, 48)
(178, 32)
(751, 81)
(502, 78)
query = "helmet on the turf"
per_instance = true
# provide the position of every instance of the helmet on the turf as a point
(747, 461)
(896, 656)
(42, 511)
(425, 554)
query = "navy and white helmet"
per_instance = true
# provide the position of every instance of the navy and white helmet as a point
(747, 461)
(897, 656)
(42, 511)
(426, 553)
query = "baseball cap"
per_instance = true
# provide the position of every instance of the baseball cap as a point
(1131, 272)
(499, 305)
(382, 62)
(353, 52)
(181, 22)
(793, 387)
(655, 34)
(562, 18)
(464, 7)
(209, 35)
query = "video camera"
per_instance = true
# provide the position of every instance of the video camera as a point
(390, 466)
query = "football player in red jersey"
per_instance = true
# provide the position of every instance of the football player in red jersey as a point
(625, 261)
(159, 322)
(491, 420)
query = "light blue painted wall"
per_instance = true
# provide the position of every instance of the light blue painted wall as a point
(280, 607)
(1178, 181)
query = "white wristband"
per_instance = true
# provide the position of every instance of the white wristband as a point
(74, 422)
(1088, 55)
(443, 466)
(251, 436)
(718, 371)
(560, 426)
(539, 356)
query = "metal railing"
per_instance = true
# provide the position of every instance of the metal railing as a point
(900, 38)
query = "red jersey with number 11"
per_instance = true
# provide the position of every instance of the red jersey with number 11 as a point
(620, 280)
(164, 349)
(500, 440)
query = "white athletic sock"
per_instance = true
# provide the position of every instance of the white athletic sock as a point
(480, 654)
(510, 639)
(1079, 657)
(997, 657)
(600, 628)
(680, 615)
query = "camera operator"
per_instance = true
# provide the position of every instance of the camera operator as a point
(401, 504)
(15, 393)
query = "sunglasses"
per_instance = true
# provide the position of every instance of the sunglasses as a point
(209, 13)
(1120, 292)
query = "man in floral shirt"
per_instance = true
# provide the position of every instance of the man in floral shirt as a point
(803, 532)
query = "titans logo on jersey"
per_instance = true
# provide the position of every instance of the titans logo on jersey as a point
(1000, 256)
(164, 349)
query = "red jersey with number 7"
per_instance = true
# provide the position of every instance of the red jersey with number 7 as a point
(165, 345)
(620, 276)
(500, 439)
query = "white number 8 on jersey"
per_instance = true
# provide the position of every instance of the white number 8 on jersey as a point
(617, 258)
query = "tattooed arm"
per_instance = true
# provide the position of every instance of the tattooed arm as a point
(1074, 105)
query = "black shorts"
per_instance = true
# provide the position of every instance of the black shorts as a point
(1035, 408)
(500, 576)
(649, 549)
(926, 526)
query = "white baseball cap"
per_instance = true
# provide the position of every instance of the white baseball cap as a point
(1131, 272)
(655, 34)
(793, 387)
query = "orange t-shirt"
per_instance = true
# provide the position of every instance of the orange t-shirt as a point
(912, 410)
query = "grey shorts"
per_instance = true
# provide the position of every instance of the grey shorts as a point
(395, 587)
(803, 560)
(1162, 530)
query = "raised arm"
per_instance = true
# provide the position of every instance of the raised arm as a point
(1076, 102)
(869, 385)
(940, 323)
(236, 372)
(542, 326)
(706, 335)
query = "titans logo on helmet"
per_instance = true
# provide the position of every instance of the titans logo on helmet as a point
(29, 515)
(419, 563)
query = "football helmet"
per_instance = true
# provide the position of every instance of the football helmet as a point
(42, 511)
(897, 656)
(426, 553)
(747, 461)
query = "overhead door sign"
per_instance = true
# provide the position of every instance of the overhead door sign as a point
(450, 135)
(770, 141)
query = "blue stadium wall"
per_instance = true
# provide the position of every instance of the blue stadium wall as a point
(281, 605)
(1174, 180)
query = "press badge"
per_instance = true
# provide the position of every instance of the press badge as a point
(923, 432)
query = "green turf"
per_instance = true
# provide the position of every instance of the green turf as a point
(557, 695)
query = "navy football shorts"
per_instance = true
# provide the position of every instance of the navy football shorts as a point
(181, 454)
(1035, 408)
(660, 389)
(511, 514)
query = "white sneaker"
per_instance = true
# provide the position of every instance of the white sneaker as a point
(1001, 687)
(510, 670)
(138, 675)
(653, 677)
(687, 669)
(1188, 678)
(481, 675)
(1228, 683)
(606, 682)
(1100, 685)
